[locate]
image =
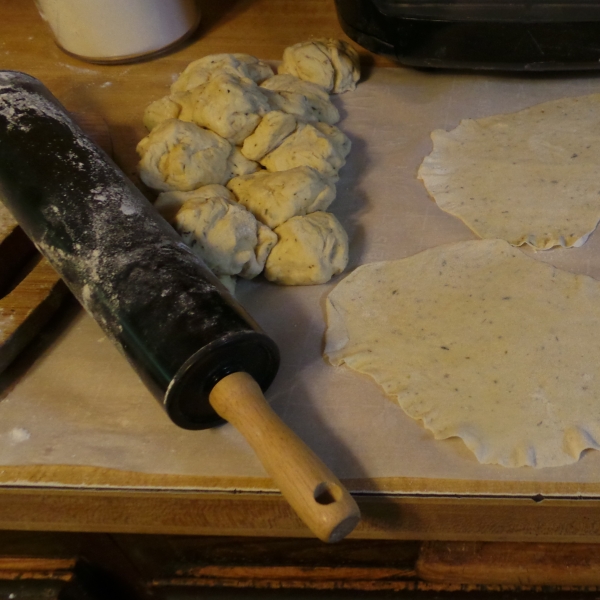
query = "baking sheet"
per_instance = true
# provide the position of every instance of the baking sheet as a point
(79, 403)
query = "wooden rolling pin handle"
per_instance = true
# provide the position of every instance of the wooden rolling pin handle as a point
(312, 490)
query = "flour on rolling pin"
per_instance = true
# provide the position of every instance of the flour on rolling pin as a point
(31, 291)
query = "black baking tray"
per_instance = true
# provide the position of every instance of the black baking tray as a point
(469, 34)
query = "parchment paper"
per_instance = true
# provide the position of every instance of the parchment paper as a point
(79, 403)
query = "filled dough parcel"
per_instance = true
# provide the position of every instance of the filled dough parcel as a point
(477, 340)
(310, 250)
(229, 105)
(200, 71)
(219, 230)
(274, 127)
(238, 165)
(273, 198)
(332, 64)
(529, 177)
(317, 99)
(323, 150)
(182, 156)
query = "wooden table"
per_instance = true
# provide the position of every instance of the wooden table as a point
(415, 542)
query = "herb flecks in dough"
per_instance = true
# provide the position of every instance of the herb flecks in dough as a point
(323, 150)
(529, 177)
(273, 198)
(479, 341)
(229, 105)
(318, 103)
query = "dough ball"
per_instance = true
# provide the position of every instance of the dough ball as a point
(346, 63)
(182, 156)
(160, 110)
(309, 146)
(223, 233)
(229, 105)
(168, 204)
(332, 64)
(273, 198)
(238, 164)
(271, 131)
(317, 97)
(201, 70)
(310, 250)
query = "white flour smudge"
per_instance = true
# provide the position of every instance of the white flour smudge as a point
(79, 69)
(18, 435)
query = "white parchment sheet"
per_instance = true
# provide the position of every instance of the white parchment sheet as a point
(79, 402)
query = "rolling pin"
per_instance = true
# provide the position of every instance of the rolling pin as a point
(193, 345)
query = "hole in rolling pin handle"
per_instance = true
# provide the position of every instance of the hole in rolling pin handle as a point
(327, 493)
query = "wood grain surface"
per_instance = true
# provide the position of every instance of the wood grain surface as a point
(509, 564)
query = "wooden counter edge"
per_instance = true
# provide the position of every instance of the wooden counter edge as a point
(60, 476)
(268, 515)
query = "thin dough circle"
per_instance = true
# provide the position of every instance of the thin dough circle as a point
(479, 341)
(529, 177)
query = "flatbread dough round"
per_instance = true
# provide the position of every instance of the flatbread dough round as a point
(482, 342)
(529, 177)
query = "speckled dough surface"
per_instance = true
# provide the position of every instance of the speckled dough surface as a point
(528, 177)
(479, 341)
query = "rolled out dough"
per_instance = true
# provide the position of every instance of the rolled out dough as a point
(482, 342)
(529, 177)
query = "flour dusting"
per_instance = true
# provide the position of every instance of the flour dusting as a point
(18, 435)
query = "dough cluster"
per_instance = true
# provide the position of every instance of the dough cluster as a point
(247, 161)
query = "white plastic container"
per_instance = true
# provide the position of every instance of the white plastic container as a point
(108, 31)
